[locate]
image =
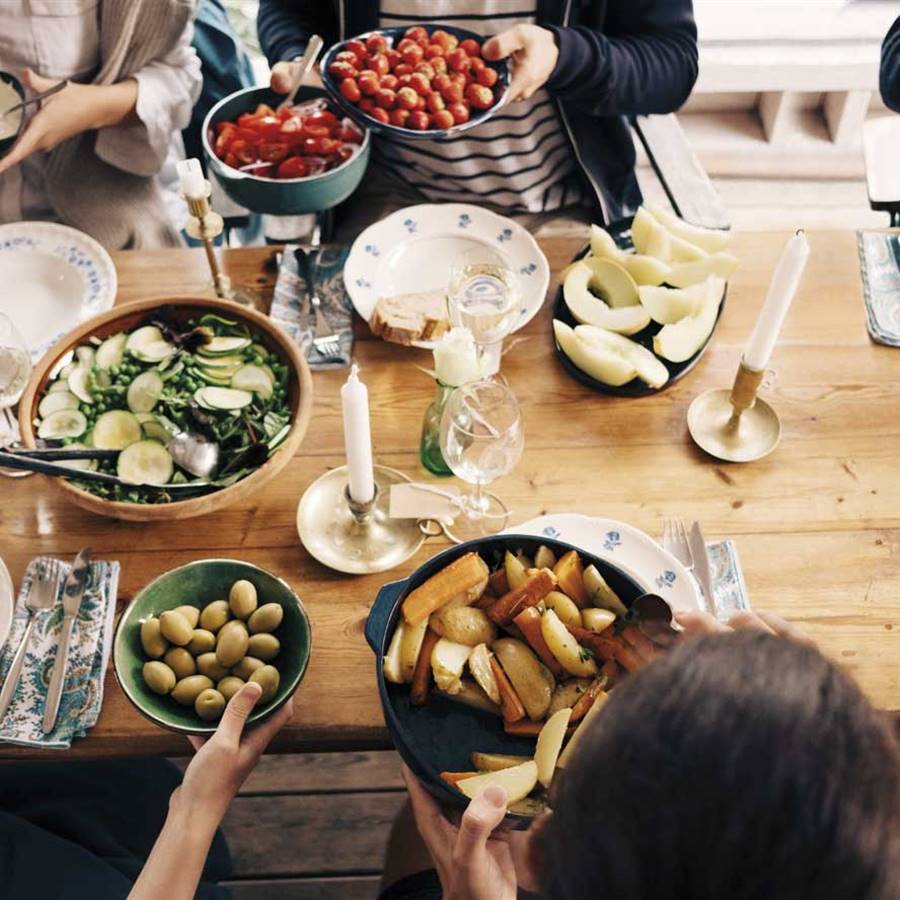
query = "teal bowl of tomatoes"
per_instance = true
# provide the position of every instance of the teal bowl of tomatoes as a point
(303, 159)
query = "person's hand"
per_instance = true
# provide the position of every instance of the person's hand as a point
(75, 109)
(473, 861)
(283, 74)
(534, 54)
(223, 762)
(696, 622)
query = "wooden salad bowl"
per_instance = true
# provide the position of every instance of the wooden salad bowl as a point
(129, 316)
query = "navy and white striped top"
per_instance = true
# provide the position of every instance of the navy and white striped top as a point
(520, 159)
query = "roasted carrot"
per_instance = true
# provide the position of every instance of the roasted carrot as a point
(510, 704)
(611, 670)
(634, 637)
(586, 700)
(421, 680)
(608, 646)
(529, 623)
(535, 587)
(498, 582)
(454, 778)
(461, 576)
(484, 601)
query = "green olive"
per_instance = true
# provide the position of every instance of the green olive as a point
(202, 642)
(191, 613)
(158, 677)
(229, 686)
(209, 705)
(208, 665)
(269, 679)
(152, 641)
(263, 646)
(242, 599)
(231, 646)
(175, 627)
(214, 615)
(246, 667)
(266, 619)
(180, 662)
(187, 690)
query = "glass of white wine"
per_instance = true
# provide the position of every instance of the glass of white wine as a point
(15, 372)
(483, 297)
(482, 439)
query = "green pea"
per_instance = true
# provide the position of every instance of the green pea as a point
(114, 370)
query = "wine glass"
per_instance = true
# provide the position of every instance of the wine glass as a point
(481, 439)
(15, 372)
(483, 297)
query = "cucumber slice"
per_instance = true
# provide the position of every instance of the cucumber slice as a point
(219, 362)
(85, 357)
(146, 462)
(219, 346)
(64, 423)
(98, 380)
(115, 430)
(81, 465)
(222, 398)
(111, 352)
(259, 350)
(212, 377)
(144, 392)
(213, 319)
(78, 384)
(55, 402)
(67, 370)
(168, 372)
(148, 344)
(157, 428)
(58, 385)
(278, 439)
(255, 379)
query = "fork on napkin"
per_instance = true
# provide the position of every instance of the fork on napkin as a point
(879, 260)
(89, 651)
(292, 310)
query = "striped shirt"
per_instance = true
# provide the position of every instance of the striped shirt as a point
(520, 159)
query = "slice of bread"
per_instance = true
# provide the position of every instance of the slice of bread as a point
(411, 317)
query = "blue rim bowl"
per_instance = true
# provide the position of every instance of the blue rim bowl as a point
(7, 143)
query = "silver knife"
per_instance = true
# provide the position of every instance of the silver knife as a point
(702, 566)
(73, 592)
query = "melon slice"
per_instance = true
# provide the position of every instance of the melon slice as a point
(600, 292)
(650, 237)
(649, 369)
(643, 269)
(670, 305)
(709, 239)
(680, 341)
(722, 265)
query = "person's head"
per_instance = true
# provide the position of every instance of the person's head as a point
(742, 766)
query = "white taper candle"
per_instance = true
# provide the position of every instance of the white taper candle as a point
(782, 289)
(358, 437)
(190, 174)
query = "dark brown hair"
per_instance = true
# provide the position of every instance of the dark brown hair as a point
(738, 767)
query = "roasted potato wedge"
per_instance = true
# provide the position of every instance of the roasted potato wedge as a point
(564, 607)
(515, 571)
(391, 665)
(410, 645)
(518, 782)
(595, 619)
(528, 806)
(469, 694)
(480, 667)
(574, 658)
(525, 559)
(448, 659)
(494, 762)
(600, 593)
(568, 694)
(569, 574)
(583, 725)
(545, 558)
(530, 678)
(464, 625)
(549, 744)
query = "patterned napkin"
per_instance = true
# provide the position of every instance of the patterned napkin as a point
(879, 258)
(292, 310)
(728, 580)
(89, 651)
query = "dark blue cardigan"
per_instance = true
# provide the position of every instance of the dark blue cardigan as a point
(890, 68)
(617, 58)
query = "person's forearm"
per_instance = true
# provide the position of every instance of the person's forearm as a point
(176, 862)
(890, 68)
(116, 104)
(282, 33)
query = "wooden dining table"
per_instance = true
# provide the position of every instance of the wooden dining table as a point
(816, 524)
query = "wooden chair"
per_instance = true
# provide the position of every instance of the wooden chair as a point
(881, 142)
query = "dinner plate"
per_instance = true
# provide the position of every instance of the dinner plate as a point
(7, 604)
(413, 250)
(625, 546)
(54, 277)
(621, 233)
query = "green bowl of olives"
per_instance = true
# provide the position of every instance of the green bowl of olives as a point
(193, 636)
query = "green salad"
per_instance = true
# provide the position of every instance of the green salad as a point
(134, 391)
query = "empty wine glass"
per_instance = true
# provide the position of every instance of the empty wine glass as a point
(483, 297)
(15, 372)
(481, 439)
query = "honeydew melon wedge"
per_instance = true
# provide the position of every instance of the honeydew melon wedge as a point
(722, 265)
(600, 292)
(680, 341)
(649, 237)
(649, 369)
(148, 344)
(709, 239)
(111, 351)
(643, 269)
(670, 305)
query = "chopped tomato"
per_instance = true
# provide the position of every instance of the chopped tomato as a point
(295, 167)
(264, 110)
(224, 126)
(242, 150)
(273, 151)
(326, 118)
(328, 146)
(284, 113)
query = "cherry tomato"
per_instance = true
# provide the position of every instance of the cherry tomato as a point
(386, 98)
(399, 117)
(350, 90)
(457, 60)
(391, 82)
(367, 104)
(394, 59)
(470, 46)
(445, 39)
(443, 119)
(488, 76)
(421, 103)
(453, 92)
(407, 98)
(295, 167)
(368, 82)
(403, 43)
(434, 51)
(415, 33)
(476, 64)
(479, 96)
(426, 69)
(348, 57)
(459, 78)
(420, 83)
(357, 47)
(273, 151)
(440, 82)
(342, 70)
(403, 69)
(379, 64)
(413, 55)
(439, 64)
(376, 43)
(460, 112)
(419, 121)
(380, 115)
(435, 102)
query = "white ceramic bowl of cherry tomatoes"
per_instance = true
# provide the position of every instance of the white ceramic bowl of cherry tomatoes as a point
(415, 82)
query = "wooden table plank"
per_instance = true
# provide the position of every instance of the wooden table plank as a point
(817, 524)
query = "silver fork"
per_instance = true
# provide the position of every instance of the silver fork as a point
(675, 541)
(327, 341)
(42, 595)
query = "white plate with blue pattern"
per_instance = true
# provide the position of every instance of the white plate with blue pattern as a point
(413, 250)
(54, 277)
(625, 546)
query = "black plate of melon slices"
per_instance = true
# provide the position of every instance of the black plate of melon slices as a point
(611, 250)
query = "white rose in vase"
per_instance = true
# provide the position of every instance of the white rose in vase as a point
(456, 358)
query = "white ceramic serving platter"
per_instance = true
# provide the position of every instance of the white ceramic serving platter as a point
(7, 604)
(625, 546)
(413, 250)
(53, 277)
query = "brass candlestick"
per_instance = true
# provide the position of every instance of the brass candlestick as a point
(735, 425)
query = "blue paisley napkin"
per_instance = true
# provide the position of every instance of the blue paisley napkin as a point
(89, 650)
(292, 310)
(879, 259)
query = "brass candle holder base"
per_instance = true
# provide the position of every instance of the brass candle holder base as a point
(735, 425)
(356, 538)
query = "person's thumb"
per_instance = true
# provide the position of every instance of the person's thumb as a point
(502, 45)
(37, 83)
(481, 817)
(281, 78)
(239, 708)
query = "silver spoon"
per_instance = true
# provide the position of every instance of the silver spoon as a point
(194, 453)
(36, 98)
